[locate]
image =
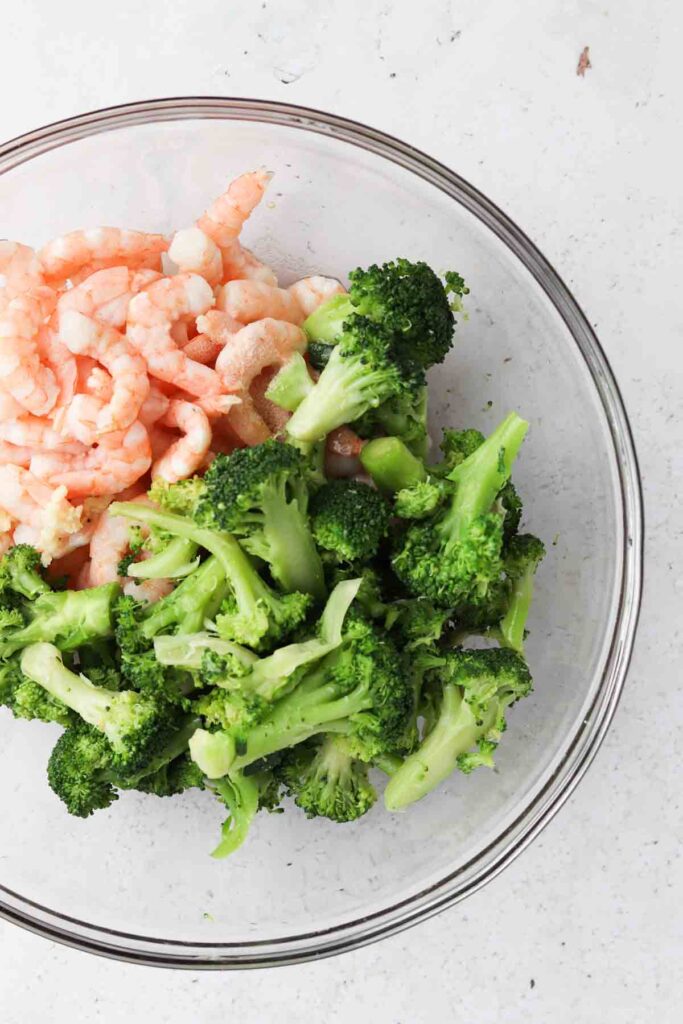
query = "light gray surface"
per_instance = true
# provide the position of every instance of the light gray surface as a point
(588, 167)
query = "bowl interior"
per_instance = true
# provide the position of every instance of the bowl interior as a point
(142, 868)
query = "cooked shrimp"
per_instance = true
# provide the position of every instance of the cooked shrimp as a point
(20, 266)
(160, 440)
(97, 247)
(344, 441)
(118, 460)
(311, 292)
(151, 315)
(195, 252)
(154, 406)
(146, 265)
(22, 374)
(257, 346)
(35, 432)
(223, 220)
(127, 369)
(45, 516)
(216, 328)
(63, 364)
(148, 591)
(247, 301)
(106, 294)
(15, 455)
(241, 264)
(187, 453)
(99, 384)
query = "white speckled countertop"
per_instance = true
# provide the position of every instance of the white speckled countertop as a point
(585, 927)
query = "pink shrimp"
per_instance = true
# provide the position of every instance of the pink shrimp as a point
(35, 432)
(15, 455)
(63, 364)
(154, 406)
(22, 374)
(223, 220)
(127, 369)
(216, 328)
(20, 266)
(312, 292)
(195, 252)
(257, 346)
(109, 543)
(187, 453)
(248, 301)
(96, 248)
(106, 294)
(241, 264)
(116, 462)
(45, 516)
(151, 315)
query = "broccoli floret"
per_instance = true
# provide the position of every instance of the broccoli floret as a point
(416, 621)
(291, 384)
(360, 690)
(69, 619)
(350, 519)
(407, 298)
(185, 610)
(326, 781)
(135, 725)
(522, 558)
(454, 557)
(260, 495)
(173, 778)
(392, 466)
(180, 498)
(85, 772)
(136, 543)
(219, 662)
(319, 353)
(254, 614)
(476, 688)
(511, 503)
(20, 574)
(404, 416)
(418, 501)
(26, 699)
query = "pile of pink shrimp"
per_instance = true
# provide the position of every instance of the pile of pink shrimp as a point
(126, 357)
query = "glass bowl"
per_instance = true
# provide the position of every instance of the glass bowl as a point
(136, 882)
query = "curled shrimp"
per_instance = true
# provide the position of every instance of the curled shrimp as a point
(223, 220)
(312, 292)
(117, 461)
(216, 328)
(63, 364)
(47, 519)
(20, 266)
(22, 373)
(36, 432)
(154, 406)
(127, 369)
(187, 453)
(248, 301)
(15, 455)
(94, 248)
(108, 545)
(256, 347)
(195, 252)
(106, 294)
(151, 315)
(241, 264)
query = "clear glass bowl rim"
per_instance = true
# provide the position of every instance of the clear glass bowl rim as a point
(582, 746)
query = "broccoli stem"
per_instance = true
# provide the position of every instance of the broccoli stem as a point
(42, 662)
(326, 322)
(190, 604)
(291, 384)
(240, 794)
(294, 557)
(455, 732)
(512, 625)
(177, 558)
(391, 464)
(70, 618)
(346, 389)
(249, 589)
(482, 475)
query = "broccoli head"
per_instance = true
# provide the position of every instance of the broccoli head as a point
(325, 781)
(20, 574)
(349, 519)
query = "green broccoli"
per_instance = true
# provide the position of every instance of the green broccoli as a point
(360, 689)
(243, 795)
(26, 699)
(171, 779)
(20, 574)
(454, 557)
(260, 495)
(135, 725)
(349, 519)
(68, 618)
(522, 558)
(326, 781)
(418, 501)
(477, 687)
(175, 559)
(291, 384)
(392, 465)
(253, 614)
(404, 417)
